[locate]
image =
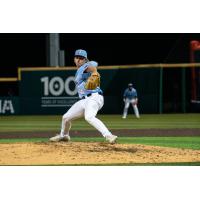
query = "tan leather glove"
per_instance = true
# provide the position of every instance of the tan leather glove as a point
(93, 81)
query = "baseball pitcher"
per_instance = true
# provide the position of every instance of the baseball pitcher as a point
(87, 81)
(130, 96)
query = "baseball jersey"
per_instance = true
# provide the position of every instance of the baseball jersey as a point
(130, 94)
(81, 78)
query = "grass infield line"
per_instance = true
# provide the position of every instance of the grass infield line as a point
(175, 142)
(147, 121)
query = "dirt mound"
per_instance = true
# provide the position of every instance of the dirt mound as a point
(77, 153)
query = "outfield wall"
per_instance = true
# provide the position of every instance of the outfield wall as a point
(9, 106)
(162, 88)
(52, 91)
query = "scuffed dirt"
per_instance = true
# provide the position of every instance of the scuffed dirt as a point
(78, 153)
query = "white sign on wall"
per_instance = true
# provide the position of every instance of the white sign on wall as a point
(7, 105)
(57, 92)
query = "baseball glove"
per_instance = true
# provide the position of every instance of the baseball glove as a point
(93, 81)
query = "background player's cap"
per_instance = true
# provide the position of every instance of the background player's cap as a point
(130, 85)
(81, 52)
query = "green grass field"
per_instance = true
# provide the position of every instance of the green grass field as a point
(14, 124)
(27, 124)
(52, 123)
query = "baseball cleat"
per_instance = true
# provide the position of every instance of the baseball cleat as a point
(59, 138)
(111, 139)
(123, 117)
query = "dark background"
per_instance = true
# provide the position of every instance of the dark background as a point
(29, 50)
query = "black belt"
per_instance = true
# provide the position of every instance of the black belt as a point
(88, 95)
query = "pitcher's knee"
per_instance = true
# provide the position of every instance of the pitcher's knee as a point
(89, 119)
(65, 118)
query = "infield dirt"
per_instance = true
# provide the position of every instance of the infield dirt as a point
(91, 153)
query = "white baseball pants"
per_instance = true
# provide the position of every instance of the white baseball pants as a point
(126, 106)
(88, 109)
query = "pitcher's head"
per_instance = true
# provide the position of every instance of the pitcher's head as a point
(80, 57)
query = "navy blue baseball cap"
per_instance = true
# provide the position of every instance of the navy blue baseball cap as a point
(81, 52)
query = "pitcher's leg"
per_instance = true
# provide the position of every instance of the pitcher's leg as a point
(75, 112)
(91, 109)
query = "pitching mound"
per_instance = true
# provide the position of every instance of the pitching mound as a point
(91, 153)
